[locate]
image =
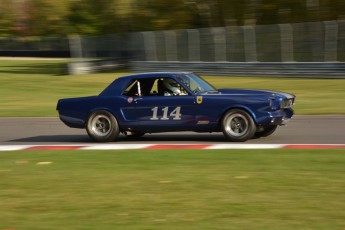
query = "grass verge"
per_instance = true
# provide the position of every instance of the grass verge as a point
(32, 88)
(174, 189)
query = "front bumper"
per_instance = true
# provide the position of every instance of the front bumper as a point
(279, 121)
(280, 117)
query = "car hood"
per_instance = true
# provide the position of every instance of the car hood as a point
(253, 92)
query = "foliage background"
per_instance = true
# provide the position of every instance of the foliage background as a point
(89, 17)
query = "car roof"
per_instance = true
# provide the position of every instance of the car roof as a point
(118, 84)
(155, 74)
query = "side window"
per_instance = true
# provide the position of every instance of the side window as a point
(132, 89)
(155, 87)
(140, 87)
(169, 87)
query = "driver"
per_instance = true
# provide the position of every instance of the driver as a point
(171, 87)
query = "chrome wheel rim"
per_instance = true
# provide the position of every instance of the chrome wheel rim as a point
(101, 125)
(236, 125)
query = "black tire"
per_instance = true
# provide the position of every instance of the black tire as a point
(267, 130)
(102, 126)
(238, 125)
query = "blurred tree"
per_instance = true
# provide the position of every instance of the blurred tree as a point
(90, 17)
(284, 11)
(7, 17)
(163, 15)
(47, 17)
(232, 13)
(290, 11)
(331, 10)
(338, 9)
(93, 17)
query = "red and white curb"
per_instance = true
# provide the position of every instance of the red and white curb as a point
(169, 146)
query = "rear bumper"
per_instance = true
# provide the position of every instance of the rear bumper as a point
(72, 122)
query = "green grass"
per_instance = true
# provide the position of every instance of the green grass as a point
(174, 189)
(32, 88)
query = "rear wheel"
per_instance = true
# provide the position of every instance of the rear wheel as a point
(238, 125)
(102, 126)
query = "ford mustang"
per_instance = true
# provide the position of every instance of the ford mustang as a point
(176, 101)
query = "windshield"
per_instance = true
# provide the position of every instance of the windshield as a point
(196, 84)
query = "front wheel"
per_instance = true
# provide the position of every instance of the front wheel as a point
(102, 126)
(238, 125)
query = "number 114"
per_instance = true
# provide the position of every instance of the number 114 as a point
(175, 114)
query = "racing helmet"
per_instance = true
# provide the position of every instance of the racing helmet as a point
(171, 86)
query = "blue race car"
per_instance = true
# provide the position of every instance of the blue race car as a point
(176, 101)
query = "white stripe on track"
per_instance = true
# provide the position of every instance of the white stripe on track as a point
(246, 146)
(14, 147)
(167, 146)
(115, 146)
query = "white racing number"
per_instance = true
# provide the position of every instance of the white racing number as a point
(175, 114)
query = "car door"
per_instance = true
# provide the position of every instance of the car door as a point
(154, 110)
(165, 113)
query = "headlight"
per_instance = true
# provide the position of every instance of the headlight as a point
(279, 103)
(287, 103)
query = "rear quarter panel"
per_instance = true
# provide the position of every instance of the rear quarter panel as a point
(75, 112)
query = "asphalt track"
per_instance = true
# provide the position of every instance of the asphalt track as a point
(328, 129)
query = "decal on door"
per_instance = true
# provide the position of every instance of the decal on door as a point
(163, 114)
(199, 99)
